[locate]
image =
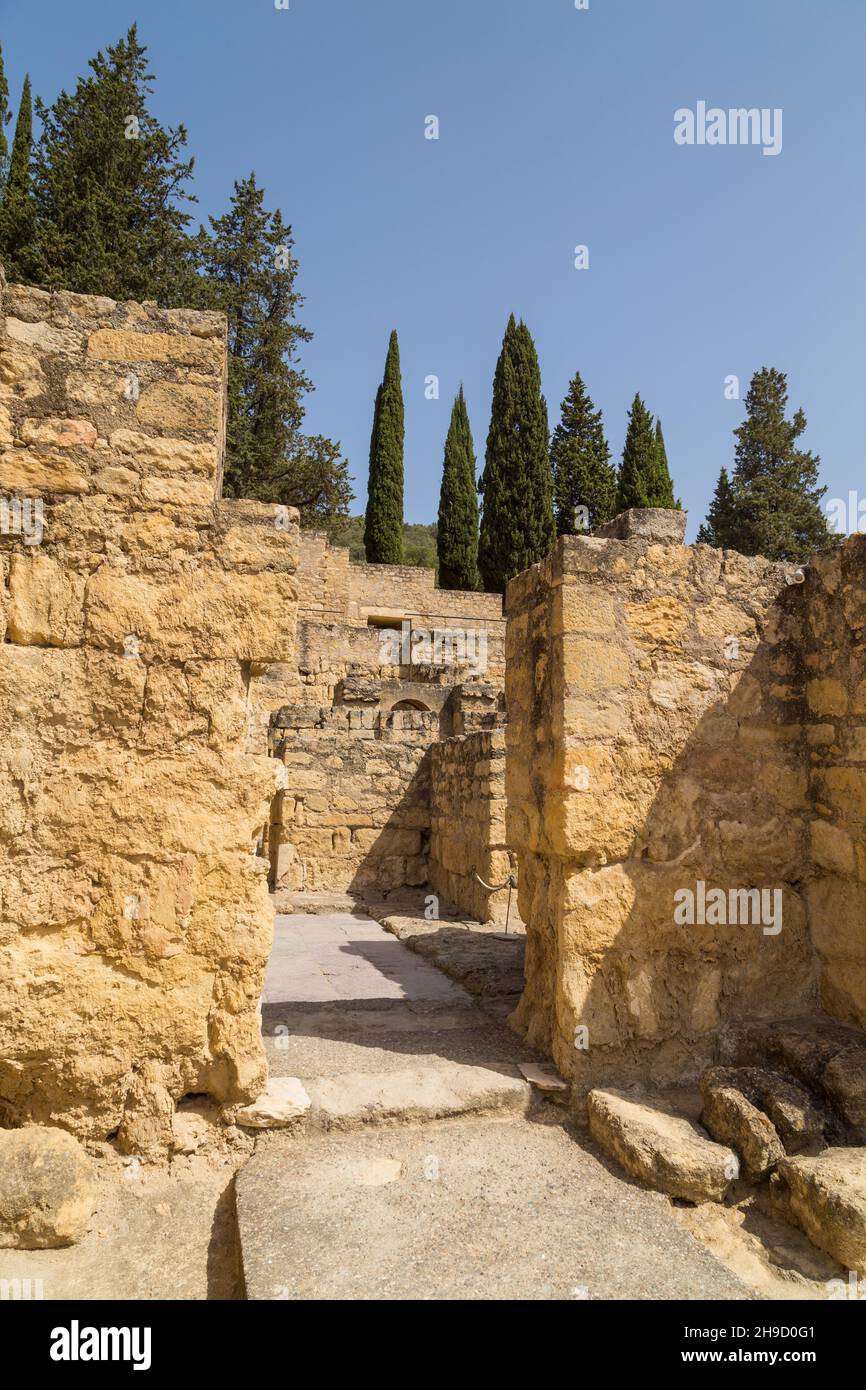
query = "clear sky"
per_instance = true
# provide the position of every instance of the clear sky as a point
(556, 129)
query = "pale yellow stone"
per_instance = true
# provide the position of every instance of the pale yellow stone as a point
(30, 471)
(662, 619)
(58, 431)
(122, 345)
(172, 406)
(166, 455)
(45, 602)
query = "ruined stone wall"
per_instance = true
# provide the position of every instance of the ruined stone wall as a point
(134, 919)
(467, 823)
(653, 745)
(833, 602)
(355, 811)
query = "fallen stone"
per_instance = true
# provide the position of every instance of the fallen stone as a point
(825, 1196)
(423, 1093)
(544, 1076)
(844, 1081)
(47, 1189)
(732, 1119)
(284, 1102)
(798, 1122)
(665, 1150)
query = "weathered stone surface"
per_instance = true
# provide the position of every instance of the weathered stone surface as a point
(665, 1150)
(733, 1120)
(47, 1189)
(282, 1104)
(134, 788)
(797, 1120)
(648, 523)
(826, 1197)
(413, 1093)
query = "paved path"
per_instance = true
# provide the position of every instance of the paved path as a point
(507, 1203)
(343, 956)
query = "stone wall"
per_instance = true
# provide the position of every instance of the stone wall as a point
(467, 823)
(834, 679)
(653, 747)
(354, 814)
(134, 919)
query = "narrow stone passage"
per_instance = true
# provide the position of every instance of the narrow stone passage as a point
(428, 1168)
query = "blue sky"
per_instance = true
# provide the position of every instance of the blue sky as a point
(556, 129)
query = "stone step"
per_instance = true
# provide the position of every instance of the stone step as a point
(412, 1094)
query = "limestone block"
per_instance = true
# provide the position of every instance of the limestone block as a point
(47, 1189)
(174, 406)
(121, 345)
(34, 472)
(205, 612)
(46, 602)
(665, 1150)
(826, 1196)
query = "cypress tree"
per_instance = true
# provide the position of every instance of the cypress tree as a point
(16, 209)
(457, 530)
(637, 471)
(517, 523)
(772, 505)
(108, 184)
(580, 459)
(663, 489)
(248, 272)
(5, 117)
(719, 529)
(383, 522)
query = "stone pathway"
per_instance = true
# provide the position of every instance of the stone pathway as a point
(428, 1168)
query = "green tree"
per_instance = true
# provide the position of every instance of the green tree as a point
(580, 458)
(636, 485)
(720, 527)
(517, 523)
(16, 209)
(772, 504)
(383, 522)
(108, 186)
(457, 528)
(248, 272)
(5, 118)
(663, 489)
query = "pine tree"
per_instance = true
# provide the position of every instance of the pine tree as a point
(719, 529)
(248, 272)
(580, 459)
(637, 471)
(662, 493)
(16, 209)
(457, 530)
(108, 184)
(517, 524)
(383, 522)
(772, 505)
(5, 117)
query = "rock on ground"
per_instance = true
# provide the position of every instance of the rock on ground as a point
(732, 1119)
(665, 1150)
(826, 1197)
(47, 1189)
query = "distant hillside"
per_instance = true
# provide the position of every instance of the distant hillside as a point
(419, 541)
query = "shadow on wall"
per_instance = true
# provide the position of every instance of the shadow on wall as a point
(700, 854)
